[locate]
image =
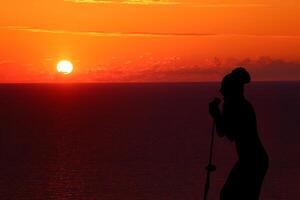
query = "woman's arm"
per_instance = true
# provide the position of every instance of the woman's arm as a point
(223, 120)
(216, 114)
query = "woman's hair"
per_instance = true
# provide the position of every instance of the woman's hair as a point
(233, 83)
(241, 75)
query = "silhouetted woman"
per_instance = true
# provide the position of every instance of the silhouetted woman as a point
(237, 122)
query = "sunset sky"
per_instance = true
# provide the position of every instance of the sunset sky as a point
(148, 40)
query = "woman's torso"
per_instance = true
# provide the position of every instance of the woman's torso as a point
(241, 117)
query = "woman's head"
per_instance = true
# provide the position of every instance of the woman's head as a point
(233, 83)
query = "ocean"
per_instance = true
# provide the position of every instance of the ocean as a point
(135, 141)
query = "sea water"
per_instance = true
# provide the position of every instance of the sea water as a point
(135, 141)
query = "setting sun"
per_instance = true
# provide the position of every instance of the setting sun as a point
(65, 67)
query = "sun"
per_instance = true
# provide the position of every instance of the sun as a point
(64, 67)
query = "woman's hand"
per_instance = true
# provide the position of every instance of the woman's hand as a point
(214, 109)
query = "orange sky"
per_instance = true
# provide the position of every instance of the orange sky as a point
(144, 40)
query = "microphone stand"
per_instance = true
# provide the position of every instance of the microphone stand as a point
(210, 167)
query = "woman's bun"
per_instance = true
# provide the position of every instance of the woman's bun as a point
(242, 75)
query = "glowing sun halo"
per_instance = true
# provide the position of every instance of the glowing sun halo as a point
(64, 67)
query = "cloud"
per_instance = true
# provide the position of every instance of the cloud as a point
(150, 2)
(266, 68)
(5, 62)
(167, 70)
(231, 5)
(261, 69)
(167, 2)
(107, 34)
(89, 1)
(133, 2)
(137, 34)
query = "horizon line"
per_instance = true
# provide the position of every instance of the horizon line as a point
(137, 82)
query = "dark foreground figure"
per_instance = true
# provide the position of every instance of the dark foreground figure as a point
(237, 122)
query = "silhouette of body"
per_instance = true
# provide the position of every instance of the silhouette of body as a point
(237, 122)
